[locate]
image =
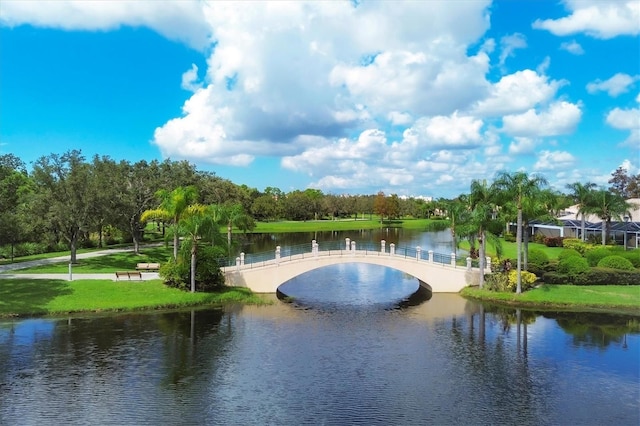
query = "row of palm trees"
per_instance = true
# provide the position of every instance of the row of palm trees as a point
(194, 222)
(483, 213)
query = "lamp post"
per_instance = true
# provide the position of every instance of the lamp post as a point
(626, 221)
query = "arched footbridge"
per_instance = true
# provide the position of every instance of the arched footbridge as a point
(265, 272)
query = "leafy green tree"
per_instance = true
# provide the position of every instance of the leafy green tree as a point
(15, 187)
(581, 193)
(172, 205)
(298, 206)
(380, 206)
(542, 206)
(63, 195)
(518, 187)
(458, 212)
(620, 181)
(266, 208)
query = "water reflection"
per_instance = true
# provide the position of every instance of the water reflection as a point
(364, 357)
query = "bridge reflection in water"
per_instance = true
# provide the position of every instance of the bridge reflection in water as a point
(265, 272)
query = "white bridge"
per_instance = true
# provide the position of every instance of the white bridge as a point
(439, 273)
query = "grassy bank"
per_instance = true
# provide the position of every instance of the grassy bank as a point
(611, 297)
(509, 249)
(23, 297)
(343, 225)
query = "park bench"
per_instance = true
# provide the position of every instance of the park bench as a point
(128, 275)
(148, 266)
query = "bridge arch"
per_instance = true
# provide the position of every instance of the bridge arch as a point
(266, 277)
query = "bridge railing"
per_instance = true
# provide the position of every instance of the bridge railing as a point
(340, 248)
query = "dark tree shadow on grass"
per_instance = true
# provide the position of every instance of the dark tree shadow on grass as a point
(28, 296)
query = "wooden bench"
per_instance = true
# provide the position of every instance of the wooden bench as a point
(128, 275)
(148, 266)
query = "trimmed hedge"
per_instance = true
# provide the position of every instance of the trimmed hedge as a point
(632, 256)
(576, 244)
(616, 262)
(595, 255)
(606, 276)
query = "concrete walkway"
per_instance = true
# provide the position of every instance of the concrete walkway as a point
(4, 269)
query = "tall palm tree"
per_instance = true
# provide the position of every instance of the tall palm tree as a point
(482, 216)
(234, 215)
(607, 205)
(518, 187)
(580, 193)
(457, 211)
(197, 224)
(172, 205)
(541, 205)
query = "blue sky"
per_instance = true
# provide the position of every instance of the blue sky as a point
(415, 98)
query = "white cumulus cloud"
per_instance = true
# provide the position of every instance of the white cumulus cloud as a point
(616, 85)
(598, 18)
(626, 119)
(572, 47)
(560, 118)
(554, 160)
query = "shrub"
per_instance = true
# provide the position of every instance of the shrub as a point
(556, 278)
(616, 262)
(606, 276)
(527, 280)
(566, 253)
(536, 269)
(209, 276)
(632, 256)
(595, 255)
(510, 238)
(538, 257)
(497, 282)
(538, 238)
(576, 244)
(553, 241)
(573, 265)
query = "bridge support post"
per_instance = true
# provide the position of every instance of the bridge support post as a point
(418, 252)
(487, 265)
(353, 247)
(277, 255)
(468, 263)
(314, 248)
(348, 243)
(453, 259)
(242, 258)
(237, 263)
(392, 249)
(382, 244)
(430, 256)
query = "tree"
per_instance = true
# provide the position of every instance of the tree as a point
(458, 213)
(63, 195)
(380, 206)
(483, 214)
(234, 215)
(607, 206)
(540, 205)
(198, 224)
(518, 187)
(172, 205)
(15, 187)
(265, 207)
(580, 194)
(620, 181)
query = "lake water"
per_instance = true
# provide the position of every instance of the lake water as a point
(356, 346)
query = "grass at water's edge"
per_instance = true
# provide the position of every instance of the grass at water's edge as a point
(598, 297)
(30, 297)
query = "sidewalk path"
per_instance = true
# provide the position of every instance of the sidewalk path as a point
(59, 259)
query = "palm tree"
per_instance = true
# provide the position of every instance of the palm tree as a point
(581, 194)
(457, 211)
(234, 215)
(172, 205)
(607, 206)
(518, 187)
(540, 205)
(482, 218)
(197, 224)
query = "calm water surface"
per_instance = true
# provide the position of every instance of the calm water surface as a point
(353, 348)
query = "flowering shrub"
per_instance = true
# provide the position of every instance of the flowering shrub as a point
(553, 241)
(527, 280)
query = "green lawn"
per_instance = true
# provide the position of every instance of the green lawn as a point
(24, 297)
(120, 261)
(509, 249)
(342, 225)
(567, 296)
